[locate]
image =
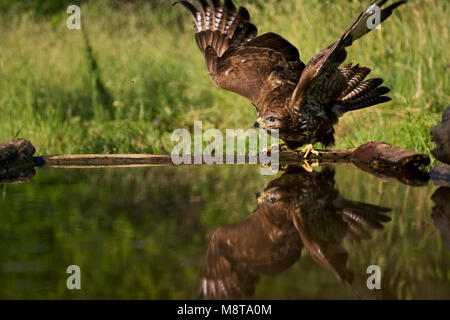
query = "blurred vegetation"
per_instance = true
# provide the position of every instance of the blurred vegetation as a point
(133, 73)
(130, 77)
(143, 233)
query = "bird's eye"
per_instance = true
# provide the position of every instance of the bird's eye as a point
(271, 119)
(272, 200)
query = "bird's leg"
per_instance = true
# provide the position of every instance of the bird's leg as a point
(282, 146)
(283, 167)
(307, 150)
(309, 165)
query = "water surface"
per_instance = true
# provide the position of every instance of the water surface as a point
(221, 231)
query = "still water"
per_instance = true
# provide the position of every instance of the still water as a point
(222, 232)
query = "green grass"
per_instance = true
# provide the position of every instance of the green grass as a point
(134, 74)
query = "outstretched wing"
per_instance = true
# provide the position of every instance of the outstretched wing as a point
(224, 275)
(239, 253)
(239, 61)
(321, 81)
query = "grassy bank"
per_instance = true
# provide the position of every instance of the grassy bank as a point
(133, 74)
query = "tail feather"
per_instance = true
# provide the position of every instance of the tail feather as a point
(364, 214)
(348, 71)
(359, 94)
(244, 34)
(375, 93)
(354, 77)
(340, 109)
(362, 89)
(239, 19)
(220, 25)
(230, 17)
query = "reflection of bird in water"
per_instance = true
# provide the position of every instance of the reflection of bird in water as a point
(299, 209)
(265, 242)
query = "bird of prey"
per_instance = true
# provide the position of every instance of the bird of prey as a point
(299, 210)
(302, 101)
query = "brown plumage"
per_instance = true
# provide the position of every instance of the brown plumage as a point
(297, 210)
(302, 102)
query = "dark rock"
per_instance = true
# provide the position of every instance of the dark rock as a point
(16, 152)
(441, 137)
(17, 175)
(441, 213)
(440, 174)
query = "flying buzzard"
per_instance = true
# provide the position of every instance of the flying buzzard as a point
(299, 210)
(302, 102)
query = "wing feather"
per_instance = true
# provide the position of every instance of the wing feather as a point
(322, 82)
(239, 61)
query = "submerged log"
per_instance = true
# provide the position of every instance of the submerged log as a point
(441, 137)
(103, 160)
(377, 158)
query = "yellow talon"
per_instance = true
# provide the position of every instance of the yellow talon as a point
(309, 149)
(309, 166)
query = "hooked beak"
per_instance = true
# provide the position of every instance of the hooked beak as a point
(257, 123)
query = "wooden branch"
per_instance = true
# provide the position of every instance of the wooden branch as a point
(378, 155)
(325, 157)
(441, 213)
(128, 160)
(377, 158)
(380, 159)
(103, 161)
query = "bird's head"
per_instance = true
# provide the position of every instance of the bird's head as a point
(271, 120)
(267, 197)
(276, 203)
(273, 197)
